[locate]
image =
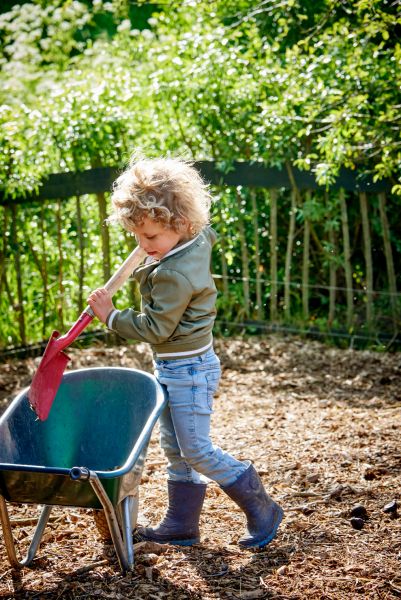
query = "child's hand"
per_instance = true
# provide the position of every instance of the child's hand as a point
(101, 303)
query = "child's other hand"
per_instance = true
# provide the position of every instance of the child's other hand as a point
(101, 303)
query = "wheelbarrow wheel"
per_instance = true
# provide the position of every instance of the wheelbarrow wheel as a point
(101, 524)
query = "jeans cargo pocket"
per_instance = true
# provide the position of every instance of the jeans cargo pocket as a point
(213, 379)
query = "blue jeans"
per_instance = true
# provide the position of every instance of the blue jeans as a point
(190, 384)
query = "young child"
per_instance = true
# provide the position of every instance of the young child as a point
(166, 204)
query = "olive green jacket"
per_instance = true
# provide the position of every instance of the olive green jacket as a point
(178, 301)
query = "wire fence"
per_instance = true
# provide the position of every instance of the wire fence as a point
(381, 341)
(299, 285)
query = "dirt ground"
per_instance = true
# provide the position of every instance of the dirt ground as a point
(322, 427)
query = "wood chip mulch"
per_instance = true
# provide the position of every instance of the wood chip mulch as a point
(322, 426)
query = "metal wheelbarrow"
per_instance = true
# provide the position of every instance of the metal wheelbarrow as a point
(89, 453)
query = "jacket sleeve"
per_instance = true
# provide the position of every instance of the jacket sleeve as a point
(171, 294)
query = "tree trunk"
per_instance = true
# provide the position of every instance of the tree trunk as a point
(305, 264)
(133, 286)
(288, 256)
(392, 285)
(258, 266)
(17, 262)
(367, 246)
(223, 248)
(60, 298)
(105, 236)
(5, 245)
(347, 260)
(39, 260)
(273, 255)
(44, 271)
(332, 276)
(3, 251)
(81, 245)
(244, 257)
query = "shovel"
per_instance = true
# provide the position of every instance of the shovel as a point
(47, 378)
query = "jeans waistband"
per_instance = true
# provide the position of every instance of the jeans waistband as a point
(199, 359)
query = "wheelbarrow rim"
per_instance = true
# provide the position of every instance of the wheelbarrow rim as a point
(133, 455)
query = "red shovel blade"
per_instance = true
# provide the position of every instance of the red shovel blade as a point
(47, 378)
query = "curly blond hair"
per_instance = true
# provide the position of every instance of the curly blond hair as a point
(168, 190)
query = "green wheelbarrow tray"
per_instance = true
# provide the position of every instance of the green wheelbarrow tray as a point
(89, 453)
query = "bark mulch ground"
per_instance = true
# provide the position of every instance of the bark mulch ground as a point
(322, 426)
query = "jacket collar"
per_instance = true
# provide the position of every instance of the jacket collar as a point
(180, 247)
(149, 260)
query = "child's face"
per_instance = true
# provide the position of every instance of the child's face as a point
(156, 239)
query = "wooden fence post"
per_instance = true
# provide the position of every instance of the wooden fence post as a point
(273, 255)
(258, 267)
(367, 247)
(305, 262)
(347, 260)
(288, 256)
(244, 255)
(389, 259)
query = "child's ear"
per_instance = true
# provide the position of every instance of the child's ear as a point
(184, 225)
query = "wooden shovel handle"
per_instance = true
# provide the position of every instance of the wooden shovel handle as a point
(117, 280)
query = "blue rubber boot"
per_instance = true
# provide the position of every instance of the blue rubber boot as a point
(180, 525)
(262, 513)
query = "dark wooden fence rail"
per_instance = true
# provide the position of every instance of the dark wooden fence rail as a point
(277, 267)
(93, 181)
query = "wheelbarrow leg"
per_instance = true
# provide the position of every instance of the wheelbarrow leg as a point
(126, 562)
(9, 540)
(125, 555)
(129, 506)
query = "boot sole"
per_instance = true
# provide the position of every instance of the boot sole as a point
(266, 540)
(184, 542)
(189, 542)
